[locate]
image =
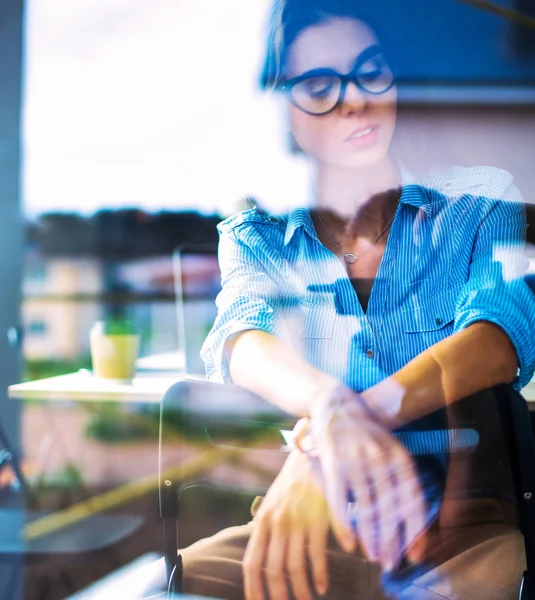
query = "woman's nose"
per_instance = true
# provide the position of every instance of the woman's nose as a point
(354, 99)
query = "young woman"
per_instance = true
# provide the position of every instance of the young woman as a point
(392, 298)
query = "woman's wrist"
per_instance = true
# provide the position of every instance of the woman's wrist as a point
(325, 391)
(386, 398)
(340, 397)
(381, 403)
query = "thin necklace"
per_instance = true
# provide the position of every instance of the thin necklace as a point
(349, 257)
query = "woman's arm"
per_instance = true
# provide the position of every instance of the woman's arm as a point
(494, 327)
(264, 364)
(471, 360)
(476, 358)
(346, 435)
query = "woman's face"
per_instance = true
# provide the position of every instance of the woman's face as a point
(359, 131)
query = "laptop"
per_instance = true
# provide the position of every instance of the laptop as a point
(197, 281)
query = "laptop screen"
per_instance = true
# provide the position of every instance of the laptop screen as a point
(197, 283)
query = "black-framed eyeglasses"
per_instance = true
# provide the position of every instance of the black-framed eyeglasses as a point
(320, 91)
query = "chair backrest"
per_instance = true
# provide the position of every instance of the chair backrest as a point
(215, 426)
(515, 412)
(224, 421)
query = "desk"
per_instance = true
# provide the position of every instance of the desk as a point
(146, 387)
(155, 375)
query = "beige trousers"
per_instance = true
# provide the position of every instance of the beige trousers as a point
(475, 553)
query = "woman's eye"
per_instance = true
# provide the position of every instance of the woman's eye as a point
(372, 69)
(371, 75)
(320, 93)
(318, 88)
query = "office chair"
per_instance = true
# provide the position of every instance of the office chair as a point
(224, 420)
(209, 409)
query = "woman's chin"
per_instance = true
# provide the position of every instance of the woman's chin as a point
(359, 160)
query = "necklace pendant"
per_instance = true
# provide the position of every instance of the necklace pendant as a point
(350, 258)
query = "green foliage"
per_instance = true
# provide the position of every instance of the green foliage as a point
(69, 476)
(218, 430)
(112, 425)
(109, 423)
(40, 369)
(120, 234)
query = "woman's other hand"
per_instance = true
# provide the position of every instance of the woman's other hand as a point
(290, 531)
(363, 463)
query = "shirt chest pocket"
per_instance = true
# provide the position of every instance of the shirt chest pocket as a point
(431, 314)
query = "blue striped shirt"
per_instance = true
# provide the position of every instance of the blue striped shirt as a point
(454, 256)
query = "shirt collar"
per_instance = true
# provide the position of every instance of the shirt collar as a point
(299, 217)
(413, 192)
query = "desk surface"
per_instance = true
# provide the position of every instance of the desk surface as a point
(146, 387)
(155, 375)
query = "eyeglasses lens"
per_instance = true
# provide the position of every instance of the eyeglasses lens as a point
(317, 95)
(377, 81)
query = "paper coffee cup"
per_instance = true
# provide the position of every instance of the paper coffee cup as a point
(114, 349)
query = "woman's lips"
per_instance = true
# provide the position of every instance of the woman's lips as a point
(363, 136)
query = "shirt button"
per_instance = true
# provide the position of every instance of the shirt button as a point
(449, 184)
(369, 353)
(438, 321)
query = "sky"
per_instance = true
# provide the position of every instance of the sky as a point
(151, 104)
(154, 103)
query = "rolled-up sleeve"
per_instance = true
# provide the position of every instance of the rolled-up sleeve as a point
(248, 300)
(496, 291)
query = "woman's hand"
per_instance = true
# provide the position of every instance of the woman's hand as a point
(362, 462)
(289, 529)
